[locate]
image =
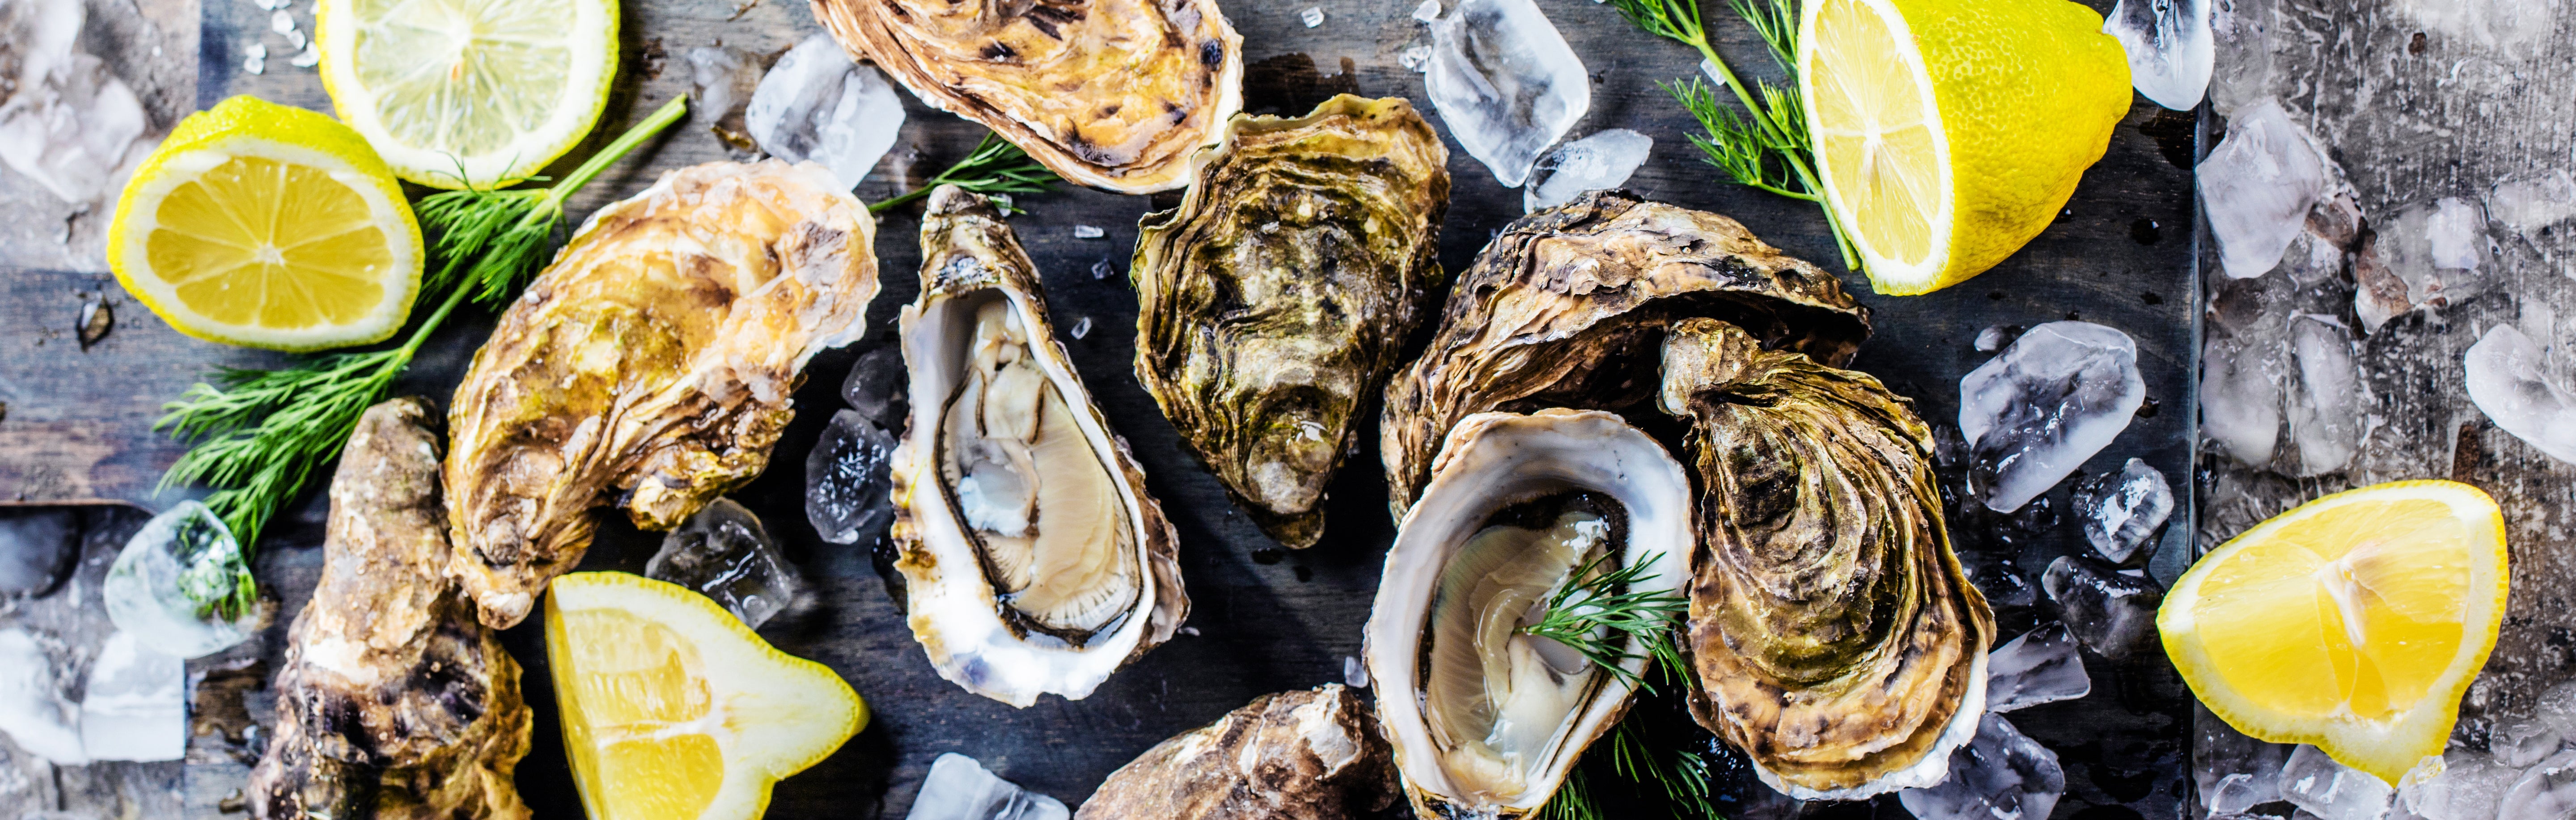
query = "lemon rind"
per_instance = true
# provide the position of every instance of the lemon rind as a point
(335, 36)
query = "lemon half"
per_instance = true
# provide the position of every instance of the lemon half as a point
(459, 92)
(2353, 622)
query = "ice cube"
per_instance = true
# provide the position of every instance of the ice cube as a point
(816, 105)
(1505, 83)
(2234, 772)
(34, 711)
(2557, 707)
(1313, 16)
(2325, 411)
(163, 582)
(1088, 232)
(2036, 411)
(2111, 612)
(2039, 667)
(2331, 790)
(2240, 399)
(1427, 11)
(2546, 792)
(2000, 579)
(724, 552)
(1603, 160)
(2527, 204)
(255, 59)
(722, 80)
(2256, 187)
(2170, 51)
(846, 479)
(1414, 58)
(309, 57)
(2518, 744)
(135, 706)
(1102, 269)
(876, 386)
(1354, 674)
(1081, 327)
(2507, 380)
(1994, 337)
(2468, 788)
(2433, 251)
(2121, 510)
(959, 788)
(2000, 775)
(71, 125)
(37, 548)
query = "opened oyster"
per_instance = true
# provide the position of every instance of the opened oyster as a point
(1032, 557)
(1485, 718)
(1276, 299)
(649, 367)
(1568, 306)
(1836, 640)
(1315, 754)
(1113, 94)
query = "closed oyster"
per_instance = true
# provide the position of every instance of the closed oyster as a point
(1309, 755)
(1277, 298)
(649, 367)
(1113, 94)
(1836, 640)
(1568, 306)
(1032, 557)
(1487, 720)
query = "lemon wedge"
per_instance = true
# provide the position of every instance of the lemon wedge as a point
(2353, 622)
(459, 92)
(267, 226)
(673, 710)
(1949, 132)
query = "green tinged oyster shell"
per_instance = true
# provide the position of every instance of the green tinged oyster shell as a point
(1275, 300)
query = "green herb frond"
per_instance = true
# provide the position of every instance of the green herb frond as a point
(1776, 22)
(1678, 20)
(994, 169)
(1572, 800)
(1683, 776)
(1578, 613)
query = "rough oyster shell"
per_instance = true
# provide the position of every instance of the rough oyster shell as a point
(1492, 461)
(1113, 94)
(1567, 307)
(1277, 298)
(1836, 639)
(1049, 635)
(1307, 755)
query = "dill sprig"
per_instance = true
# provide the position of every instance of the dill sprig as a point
(1579, 611)
(994, 168)
(1572, 800)
(262, 434)
(1683, 776)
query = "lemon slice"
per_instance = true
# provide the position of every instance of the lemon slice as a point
(2353, 622)
(268, 226)
(453, 92)
(673, 709)
(1949, 132)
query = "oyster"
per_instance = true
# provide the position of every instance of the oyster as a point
(1309, 755)
(649, 367)
(1113, 94)
(1486, 720)
(1277, 298)
(1032, 557)
(1836, 639)
(1567, 306)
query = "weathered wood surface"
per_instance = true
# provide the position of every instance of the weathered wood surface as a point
(1265, 620)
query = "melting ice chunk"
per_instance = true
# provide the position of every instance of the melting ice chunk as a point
(1088, 232)
(2435, 250)
(160, 582)
(2035, 412)
(2468, 788)
(2546, 792)
(2000, 775)
(2507, 381)
(2170, 51)
(2520, 743)
(71, 125)
(2111, 612)
(2235, 772)
(1427, 11)
(34, 712)
(1313, 16)
(817, 105)
(1603, 160)
(1081, 328)
(2557, 707)
(2240, 399)
(846, 479)
(2527, 204)
(2326, 409)
(876, 386)
(725, 553)
(959, 788)
(2257, 186)
(1505, 83)
(37, 548)
(1354, 674)
(2331, 790)
(2121, 510)
(135, 707)
(2039, 667)
(1414, 58)
(722, 80)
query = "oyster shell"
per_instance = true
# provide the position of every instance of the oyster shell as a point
(1113, 94)
(1836, 639)
(1567, 306)
(1277, 298)
(1306, 755)
(1486, 721)
(649, 367)
(1033, 559)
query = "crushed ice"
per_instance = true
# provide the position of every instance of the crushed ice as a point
(2121, 510)
(71, 125)
(724, 553)
(2110, 612)
(1505, 83)
(1312, 16)
(2510, 378)
(2000, 775)
(1603, 160)
(2545, 792)
(959, 788)
(2039, 667)
(1088, 232)
(1081, 327)
(135, 706)
(2234, 772)
(816, 105)
(2325, 408)
(2331, 790)
(2052, 399)
(34, 711)
(2257, 186)
(847, 483)
(2527, 204)
(176, 561)
(2169, 48)
(2468, 788)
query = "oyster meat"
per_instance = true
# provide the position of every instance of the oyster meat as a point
(649, 367)
(1568, 306)
(1835, 637)
(1486, 719)
(1276, 300)
(1113, 94)
(1310, 755)
(1033, 559)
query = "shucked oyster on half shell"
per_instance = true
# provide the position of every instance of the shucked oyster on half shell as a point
(1836, 640)
(1113, 94)
(1032, 557)
(1486, 720)
(1277, 298)
(1568, 307)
